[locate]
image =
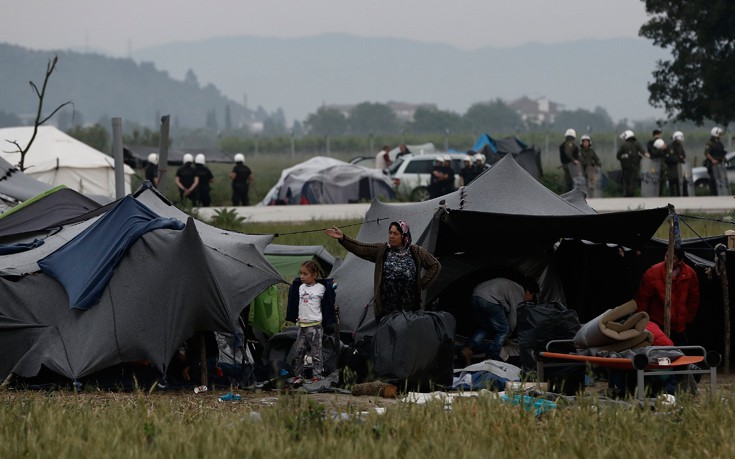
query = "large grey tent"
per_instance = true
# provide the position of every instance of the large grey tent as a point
(503, 219)
(167, 285)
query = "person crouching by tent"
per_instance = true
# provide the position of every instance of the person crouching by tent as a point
(311, 307)
(494, 304)
(398, 278)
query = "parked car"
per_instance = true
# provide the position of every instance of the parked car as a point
(700, 177)
(410, 174)
(364, 161)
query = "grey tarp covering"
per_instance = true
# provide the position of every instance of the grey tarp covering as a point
(324, 180)
(48, 211)
(167, 286)
(504, 197)
(17, 185)
(147, 322)
(218, 239)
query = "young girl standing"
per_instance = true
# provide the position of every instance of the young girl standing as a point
(311, 307)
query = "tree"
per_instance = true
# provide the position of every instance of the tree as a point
(326, 121)
(95, 136)
(494, 116)
(697, 83)
(39, 119)
(584, 121)
(377, 118)
(428, 121)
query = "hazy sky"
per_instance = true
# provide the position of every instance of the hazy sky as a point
(122, 26)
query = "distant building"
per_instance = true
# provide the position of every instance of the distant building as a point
(536, 111)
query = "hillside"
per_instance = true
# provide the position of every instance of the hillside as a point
(301, 74)
(102, 87)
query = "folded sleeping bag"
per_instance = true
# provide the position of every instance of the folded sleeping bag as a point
(615, 330)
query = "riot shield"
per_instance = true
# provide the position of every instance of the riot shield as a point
(578, 178)
(650, 177)
(594, 181)
(719, 171)
(686, 183)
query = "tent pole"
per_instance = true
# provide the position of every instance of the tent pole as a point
(9, 379)
(669, 269)
(163, 154)
(721, 266)
(203, 359)
(117, 155)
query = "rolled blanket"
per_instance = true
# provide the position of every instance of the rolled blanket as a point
(607, 332)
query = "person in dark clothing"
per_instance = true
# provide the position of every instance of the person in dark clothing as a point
(438, 175)
(675, 155)
(398, 278)
(241, 177)
(629, 154)
(655, 152)
(187, 180)
(205, 179)
(151, 170)
(714, 152)
(494, 304)
(447, 185)
(569, 153)
(468, 172)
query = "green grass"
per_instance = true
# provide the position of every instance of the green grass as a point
(63, 425)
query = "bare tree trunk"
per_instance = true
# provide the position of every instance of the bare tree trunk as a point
(39, 120)
(669, 269)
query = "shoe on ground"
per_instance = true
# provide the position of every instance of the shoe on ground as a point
(295, 380)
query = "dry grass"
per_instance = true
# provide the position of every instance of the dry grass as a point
(62, 424)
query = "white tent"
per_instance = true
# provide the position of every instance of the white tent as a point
(58, 159)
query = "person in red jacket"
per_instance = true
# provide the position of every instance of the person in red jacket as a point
(684, 296)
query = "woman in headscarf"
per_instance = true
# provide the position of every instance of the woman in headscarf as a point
(398, 264)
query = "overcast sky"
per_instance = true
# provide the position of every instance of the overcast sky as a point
(120, 27)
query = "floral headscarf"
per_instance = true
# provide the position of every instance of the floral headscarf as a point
(405, 232)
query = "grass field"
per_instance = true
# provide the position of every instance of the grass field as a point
(289, 425)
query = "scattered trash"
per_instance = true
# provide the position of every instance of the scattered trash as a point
(255, 416)
(200, 389)
(229, 397)
(537, 405)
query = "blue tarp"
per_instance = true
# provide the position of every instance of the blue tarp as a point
(7, 249)
(85, 264)
(499, 146)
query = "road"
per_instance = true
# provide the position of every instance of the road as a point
(702, 204)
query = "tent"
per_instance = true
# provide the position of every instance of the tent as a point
(56, 158)
(323, 180)
(529, 158)
(287, 259)
(160, 289)
(504, 219)
(16, 185)
(44, 212)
